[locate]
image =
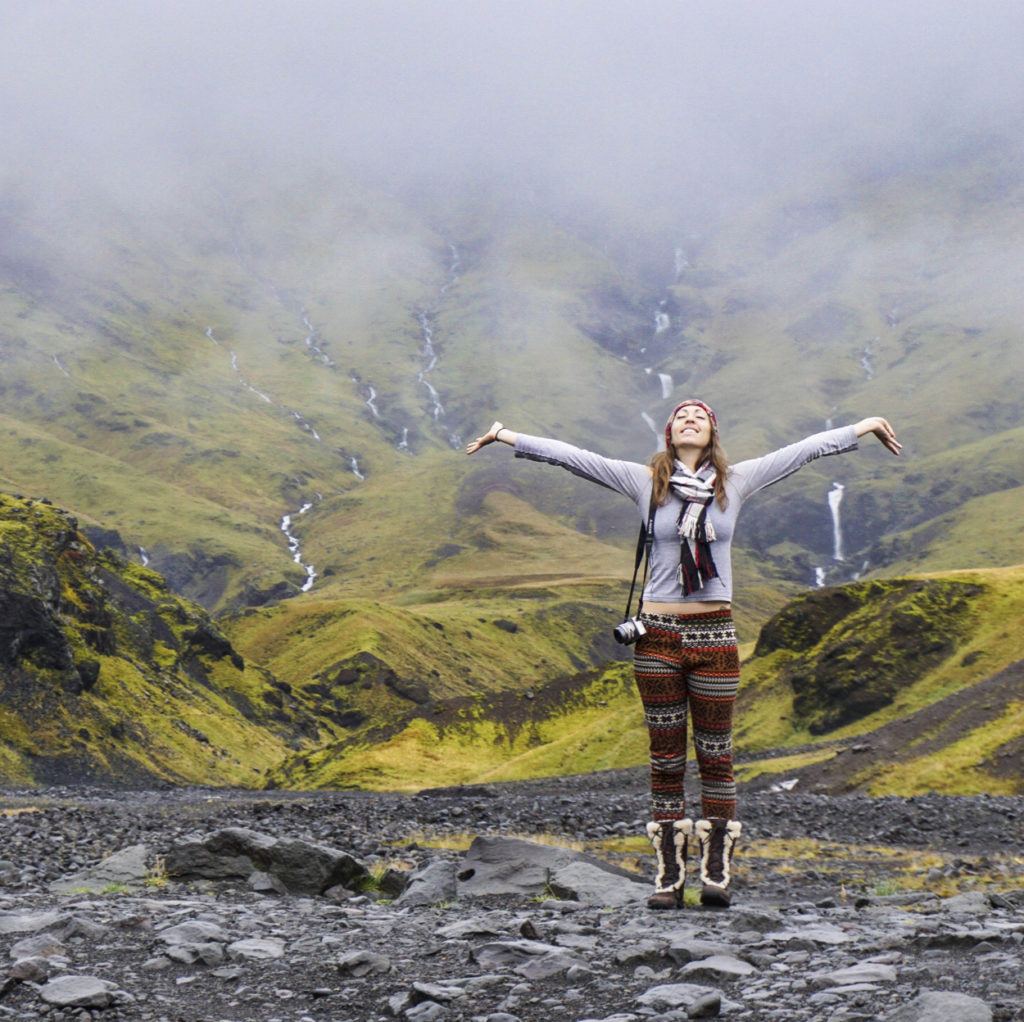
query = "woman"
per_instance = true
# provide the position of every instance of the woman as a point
(687, 659)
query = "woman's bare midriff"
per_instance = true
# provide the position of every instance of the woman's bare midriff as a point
(693, 607)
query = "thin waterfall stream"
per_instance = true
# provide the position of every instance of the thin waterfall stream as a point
(426, 319)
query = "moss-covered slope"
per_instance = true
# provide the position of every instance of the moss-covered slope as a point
(105, 674)
(895, 686)
(923, 670)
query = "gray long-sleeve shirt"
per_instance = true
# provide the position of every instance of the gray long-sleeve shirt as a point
(633, 480)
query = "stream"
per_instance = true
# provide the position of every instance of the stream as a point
(294, 547)
(428, 353)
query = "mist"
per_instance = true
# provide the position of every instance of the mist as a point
(667, 107)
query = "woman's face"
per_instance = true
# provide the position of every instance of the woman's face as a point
(691, 427)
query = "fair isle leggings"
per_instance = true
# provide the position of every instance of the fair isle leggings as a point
(689, 660)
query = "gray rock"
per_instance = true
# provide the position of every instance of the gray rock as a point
(78, 992)
(863, 972)
(708, 1006)
(489, 925)
(941, 1006)
(503, 953)
(30, 922)
(301, 866)
(501, 1016)
(258, 948)
(44, 944)
(676, 995)
(127, 867)
(194, 931)
(544, 966)
(971, 903)
(690, 949)
(433, 992)
(501, 865)
(644, 952)
(425, 1011)
(231, 972)
(35, 969)
(80, 926)
(264, 883)
(584, 882)
(819, 933)
(157, 964)
(431, 885)
(718, 967)
(363, 963)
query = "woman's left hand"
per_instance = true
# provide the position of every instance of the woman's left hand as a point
(881, 428)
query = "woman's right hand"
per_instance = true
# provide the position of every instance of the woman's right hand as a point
(482, 441)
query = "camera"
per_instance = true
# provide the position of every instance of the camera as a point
(629, 631)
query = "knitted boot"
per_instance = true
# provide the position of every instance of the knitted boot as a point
(717, 840)
(669, 840)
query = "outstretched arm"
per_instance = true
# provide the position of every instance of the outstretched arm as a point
(626, 477)
(506, 437)
(756, 474)
(881, 428)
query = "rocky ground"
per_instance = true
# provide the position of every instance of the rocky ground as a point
(297, 907)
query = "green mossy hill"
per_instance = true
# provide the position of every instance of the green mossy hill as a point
(915, 675)
(861, 643)
(575, 724)
(106, 675)
(371, 667)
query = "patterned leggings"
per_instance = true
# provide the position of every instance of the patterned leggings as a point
(689, 660)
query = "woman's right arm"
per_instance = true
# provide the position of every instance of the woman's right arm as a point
(625, 477)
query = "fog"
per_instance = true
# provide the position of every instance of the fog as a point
(665, 103)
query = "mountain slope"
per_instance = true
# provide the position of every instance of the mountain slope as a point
(906, 685)
(107, 675)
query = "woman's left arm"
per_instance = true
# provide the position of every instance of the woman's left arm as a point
(881, 428)
(756, 474)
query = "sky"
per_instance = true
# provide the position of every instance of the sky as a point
(594, 100)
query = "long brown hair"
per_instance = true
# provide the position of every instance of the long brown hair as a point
(662, 468)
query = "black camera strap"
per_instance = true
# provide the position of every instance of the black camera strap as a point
(644, 542)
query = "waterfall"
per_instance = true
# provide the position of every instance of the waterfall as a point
(57, 363)
(835, 498)
(355, 468)
(427, 350)
(303, 424)
(370, 402)
(680, 263)
(828, 423)
(866, 364)
(661, 322)
(403, 444)
(650, 422)
(311, 345)
(293, 546)
(143, 556)
(666, 386)
(209, 333)
(819, 577)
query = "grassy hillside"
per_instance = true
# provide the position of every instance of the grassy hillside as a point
(107, 675)
(907, 685)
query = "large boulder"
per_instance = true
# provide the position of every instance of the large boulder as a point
(941, 1006)
(236, 852)
(501, 865)
(128, 867)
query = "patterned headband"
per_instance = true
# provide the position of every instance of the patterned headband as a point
(683, 404)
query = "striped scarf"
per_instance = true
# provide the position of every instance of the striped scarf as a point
(696, 490)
